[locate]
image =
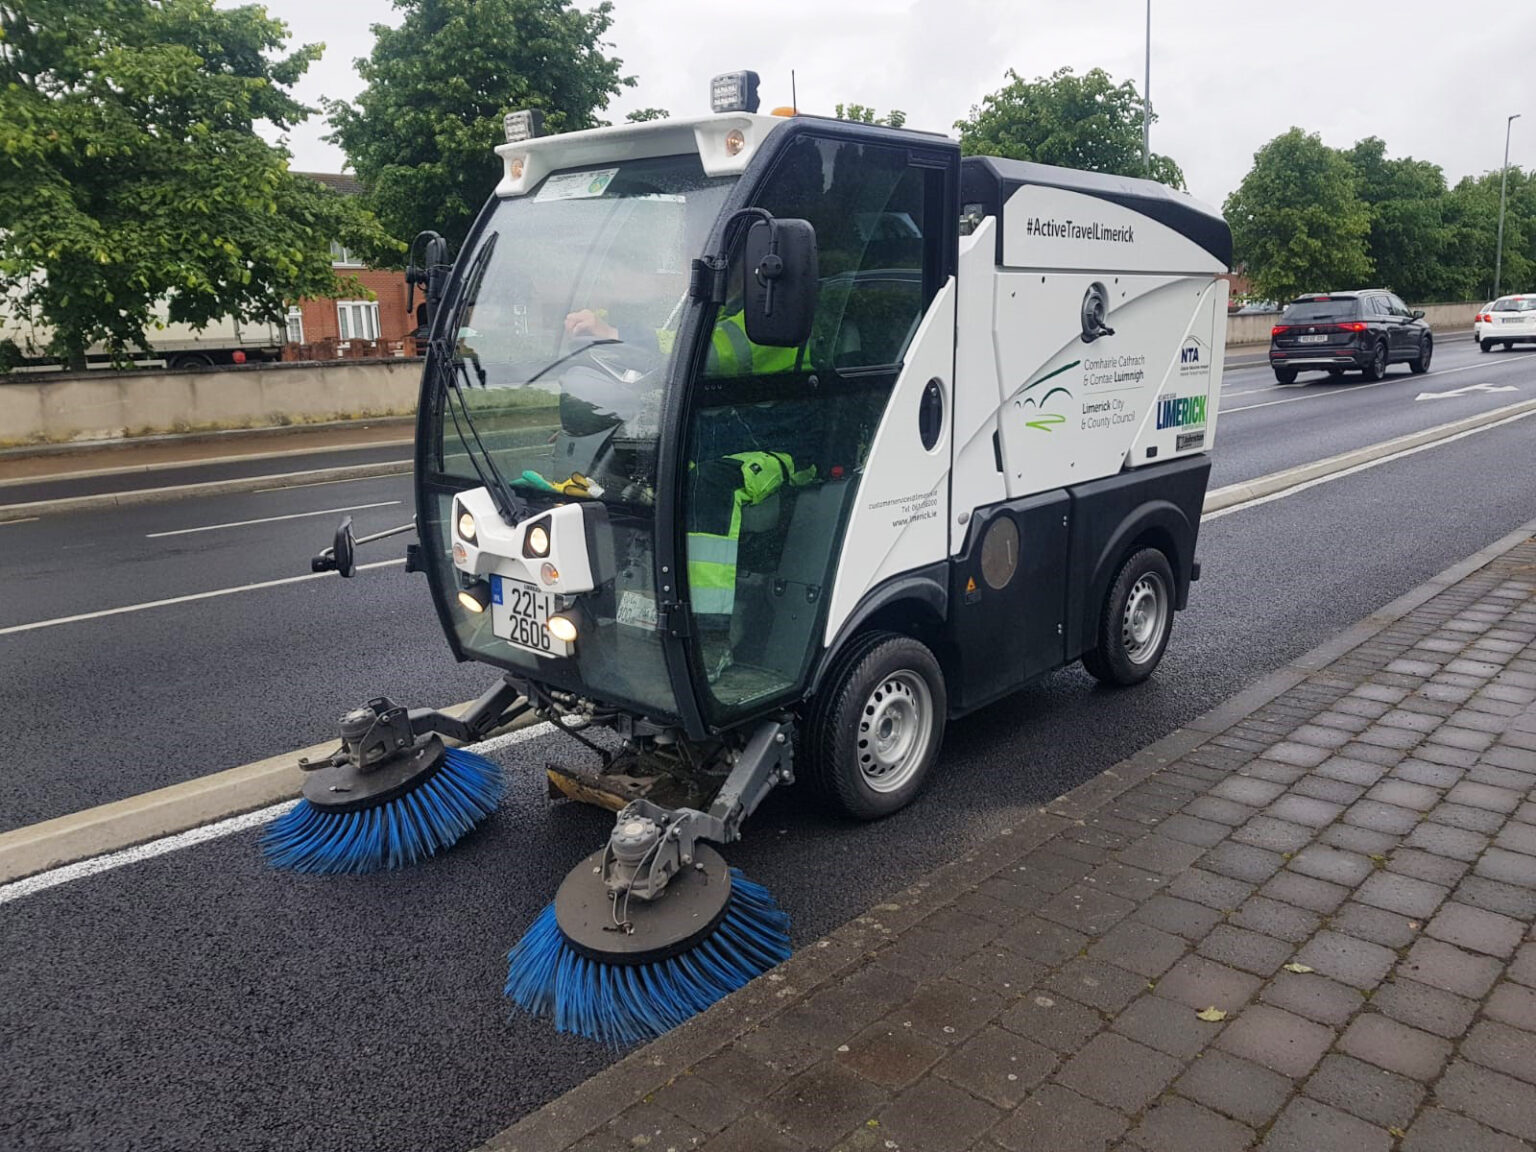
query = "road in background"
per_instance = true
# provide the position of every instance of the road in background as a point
(198, 1000)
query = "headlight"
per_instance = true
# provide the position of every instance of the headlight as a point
(538, 540)
(467, 526)
(476, 597)
(562, 628)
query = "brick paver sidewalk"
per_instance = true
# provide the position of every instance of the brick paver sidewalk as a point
(1341, 862)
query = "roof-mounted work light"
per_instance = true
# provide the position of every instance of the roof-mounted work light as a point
(524, 125)
(734, 92)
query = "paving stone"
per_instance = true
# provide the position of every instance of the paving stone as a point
(1305, 891)
(821, 1104)
(1510, 756)
(1404, 794)
(1242, 862)
(1455, 737)
(1508, 867)
(1490, 1097)
(740, 1073)
(1445, 966)
(751, 1134)
(1443, 840)
(947, 1011)
(1182, 918)
(1462, 816)
(859, 999)
(700, 1102)
(1485, 773)
(1305, 810)
(1506, 899)
(1315, 997)
(1119, 1072)
(1210, 889)
(1084, 908)
(1177, 1125)
(1166, 1025)
(1060, 1120)
(1327, 788)
(1514, 1005)
(889, 1054)
(1199, 983)
(1139, 948)
(1299, 755)
(1357, 963)
(1058, 1023)
(1276, 919)
(1241, 948)
(1495, 1044)
(1134, 884)
(1385, 693)
(1402, 894)
(1000, 971)
(1364, 1090)
(1273, 835)
(935, 1116)
(1349, 838)
(1048, 871)
(998, 1066)
(644, 1125)
(1428, 1009)
(1351, 770)
(1097, 984)
(1013, 893)
(1323, 863)
(1476, 930)
(1279, 1040)
(920, 954)
(1426, 866)
(1236, 1087)
(1247, 790)
(1474, 795)
(1427, 773)
(1437, 1130)
(1379, 817)
(1391, 1044)
(1390, 929)
(790, 1042)
(1042, 940)
(1220, 810)
(1192, 830)
(1414, 721)
(1308, 1125)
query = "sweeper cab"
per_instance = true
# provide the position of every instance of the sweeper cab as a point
(774, 443)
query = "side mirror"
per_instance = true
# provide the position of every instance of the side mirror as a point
(340, 556)
(1418, 314)
(781, 282)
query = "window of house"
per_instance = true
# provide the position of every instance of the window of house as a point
(357, 319)
(341, 258)
(295, 326)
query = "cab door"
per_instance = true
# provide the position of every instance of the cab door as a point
(778, 440)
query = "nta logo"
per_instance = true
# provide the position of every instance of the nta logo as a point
(1194, 357)
(1190, 353)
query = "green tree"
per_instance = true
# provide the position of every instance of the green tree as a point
(1086, 121)
(131, 173)
(422, 133)
(642, 115)
(1298, 223)
(1405, 198)
(863, 114)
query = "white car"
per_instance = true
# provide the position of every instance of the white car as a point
(1508, 320)
(1482, 320)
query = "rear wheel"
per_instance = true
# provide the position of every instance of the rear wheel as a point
(1377, 368)
(1136, 621)
(1485, 345)
(1509, 345)
(876, 727)
(1285, 375)
(1420, 363)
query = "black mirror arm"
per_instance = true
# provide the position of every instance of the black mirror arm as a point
(325, 561)
(708, 279)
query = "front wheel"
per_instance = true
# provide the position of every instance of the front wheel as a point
(1285, 375)
(1136, 621)
(875, 730)
(1420, 363)
(1377, 368)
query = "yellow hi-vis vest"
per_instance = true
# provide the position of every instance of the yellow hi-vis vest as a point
(732, 354)
(712, 556)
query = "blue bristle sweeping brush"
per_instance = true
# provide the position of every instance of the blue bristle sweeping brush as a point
(622, 972)
(405, 810)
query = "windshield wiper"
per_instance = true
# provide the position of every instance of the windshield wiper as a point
(571, 355)
(509, 504)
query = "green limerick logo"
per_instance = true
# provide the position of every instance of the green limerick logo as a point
(1044, 421)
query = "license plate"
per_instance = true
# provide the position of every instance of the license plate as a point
(1511, 319)
(1323, 339)
(518, 613)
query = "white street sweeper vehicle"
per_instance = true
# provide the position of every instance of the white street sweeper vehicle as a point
(772, 444)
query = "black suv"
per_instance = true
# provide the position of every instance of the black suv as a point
(1367, 330)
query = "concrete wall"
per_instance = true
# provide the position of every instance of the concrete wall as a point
(107, 405)
(1254, 328)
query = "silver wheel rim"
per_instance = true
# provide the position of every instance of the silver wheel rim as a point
(895, 727)
(1379, 364)
(1145, 618)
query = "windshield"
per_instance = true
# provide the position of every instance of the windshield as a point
(566, 334)
(1515, 304)
(1342, 308)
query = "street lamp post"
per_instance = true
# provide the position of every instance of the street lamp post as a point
(1146, 102)
(1498, 257)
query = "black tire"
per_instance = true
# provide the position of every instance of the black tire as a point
(884, 681)
(1377, 368)
(191, 360)
(1335, 373)
(1420, 363)
(1485, 345)
(1118, 657)
(1509, 345)
(1285, 375)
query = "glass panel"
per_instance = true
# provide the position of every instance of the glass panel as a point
(779, 436)
(1321, 310)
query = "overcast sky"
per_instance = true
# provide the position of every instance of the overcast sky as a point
(1434, 80)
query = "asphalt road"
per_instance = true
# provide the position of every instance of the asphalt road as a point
(198, 1000)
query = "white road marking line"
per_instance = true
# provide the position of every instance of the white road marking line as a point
(1362, 387)
(166, 844)
(323, 483)
(269, 519)
(28, 520)
(1304, 485)
(1466, 388)
(187, 599)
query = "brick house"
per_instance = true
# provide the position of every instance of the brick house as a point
(355, 325)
